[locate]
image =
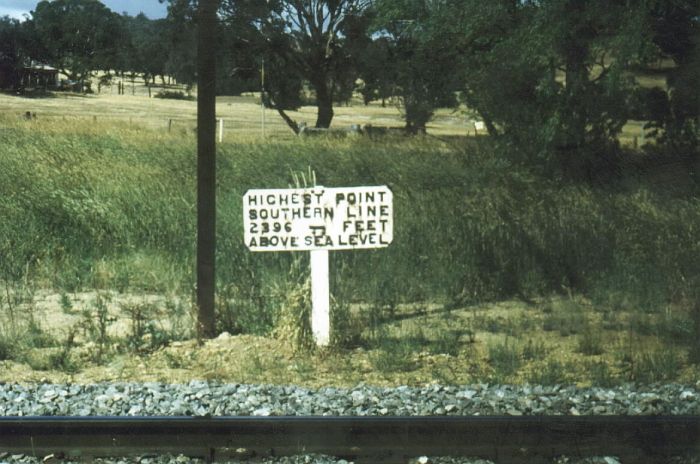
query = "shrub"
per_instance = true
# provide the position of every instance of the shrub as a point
(8, 348)
(293, 322)
(534, 350)
(655, 365)
(505, 358)
(601, 375)
(590, 341)
(174, 95)
(553, 372)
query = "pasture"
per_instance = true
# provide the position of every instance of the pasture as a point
(496, 274)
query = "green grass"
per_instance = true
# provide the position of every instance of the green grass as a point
(116, 210)
(112, 206)
(506, 358)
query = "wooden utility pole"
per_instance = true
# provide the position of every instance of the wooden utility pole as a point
(206, 167)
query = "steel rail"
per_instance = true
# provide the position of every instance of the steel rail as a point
(363, 439)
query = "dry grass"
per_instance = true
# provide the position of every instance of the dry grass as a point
(243, 115)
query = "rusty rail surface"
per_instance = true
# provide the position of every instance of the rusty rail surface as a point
(524, 439)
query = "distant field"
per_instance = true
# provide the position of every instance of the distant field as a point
(242, 115)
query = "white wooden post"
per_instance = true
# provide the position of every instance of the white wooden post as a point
(320, 297)
(221, 130)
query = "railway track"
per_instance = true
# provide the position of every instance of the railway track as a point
(363, 439)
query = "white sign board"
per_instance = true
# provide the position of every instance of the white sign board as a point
(318, 218)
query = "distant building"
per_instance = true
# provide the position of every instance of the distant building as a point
(39, 76)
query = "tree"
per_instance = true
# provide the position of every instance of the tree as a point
(553, 78)
(502, 66)
(595, 45)
(305, 39)
(423, 60)
(298, 40)
(180, 34)
(378, 76)
(675, 25)
(76, 36)
(10, 52)
(148, 47)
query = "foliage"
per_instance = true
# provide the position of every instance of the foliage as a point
(567, 93)
(149, 48)
(173, 95)
(552, 372)
(676, 30)
(294, 319)
(94, 324)
(591, 341)
(377, 75)
(306, 40)
(76, 36)
(180, 35)
(421, 65)
(10, 52)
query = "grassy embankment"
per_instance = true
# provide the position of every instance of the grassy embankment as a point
(602, 281)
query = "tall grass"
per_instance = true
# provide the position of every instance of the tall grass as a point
(112, 206)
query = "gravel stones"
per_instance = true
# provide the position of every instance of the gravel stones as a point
(200, 398)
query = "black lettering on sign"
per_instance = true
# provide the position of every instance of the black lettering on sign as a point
(358, 198)
(318, 231)
(276, 241)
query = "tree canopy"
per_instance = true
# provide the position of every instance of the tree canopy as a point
(554, 81)
(76, 36)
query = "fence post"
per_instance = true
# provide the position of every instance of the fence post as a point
(170, 124)
(221, 130)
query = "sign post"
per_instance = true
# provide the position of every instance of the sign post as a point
(320, 297)
(318, 219)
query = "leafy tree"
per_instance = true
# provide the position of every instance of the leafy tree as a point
(302, 39)
(149, 49)
(10, 52)
(180, 34)
(421, 55)
(553, 78)
(76, 36)
(595, 44)
(316, 30)
(375, 69)
(675, 25)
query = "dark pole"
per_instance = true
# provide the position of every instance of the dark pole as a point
(206, 167)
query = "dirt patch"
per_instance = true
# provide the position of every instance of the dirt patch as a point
(59, 314)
